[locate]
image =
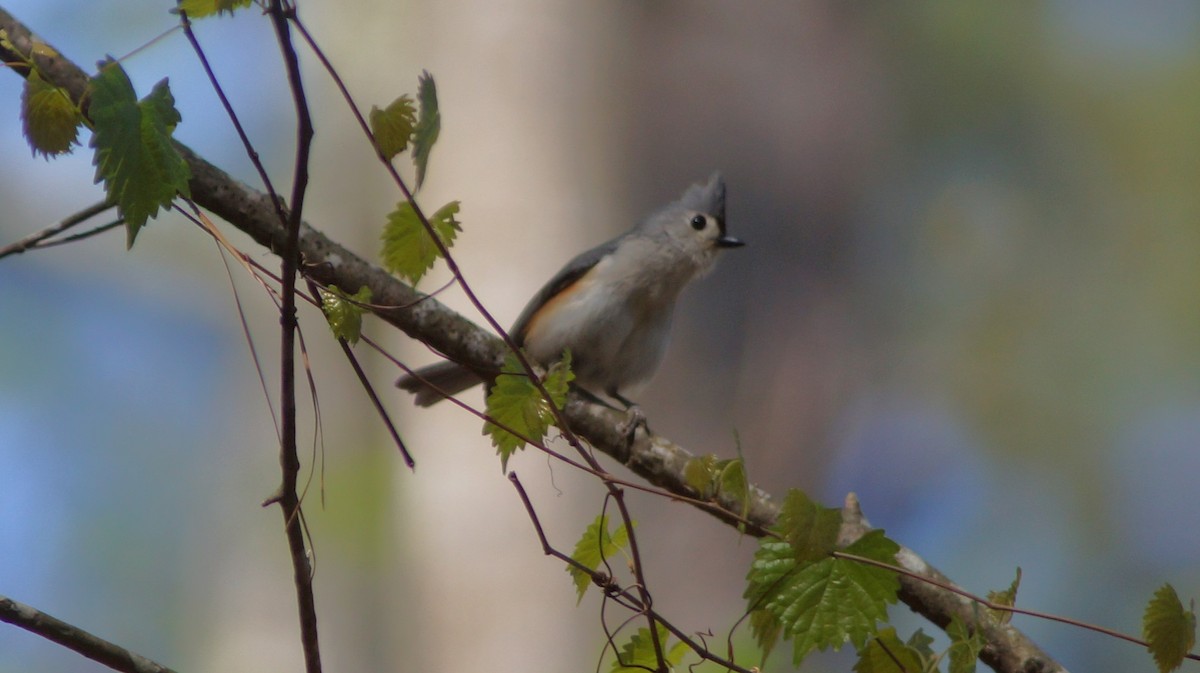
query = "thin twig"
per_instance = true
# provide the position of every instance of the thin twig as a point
(224, 246)
(95, 231)
(318, 443)
(33, 240)
(289, 460)
(365, 382)
(251, 153)
(639, 572)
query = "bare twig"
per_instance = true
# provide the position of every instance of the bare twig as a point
(72, 637)
(35, 240)
(289, 461)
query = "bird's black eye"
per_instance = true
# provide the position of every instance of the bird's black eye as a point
(699, 222)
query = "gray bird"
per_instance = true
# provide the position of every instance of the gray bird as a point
(611, 305)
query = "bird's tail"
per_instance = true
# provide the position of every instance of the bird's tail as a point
(432, 384)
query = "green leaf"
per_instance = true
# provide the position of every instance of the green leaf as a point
(766, 629)
(595, 548)
(922, 643)
(343, 311)
(965, 646)
(393, 125)
(819, 601)
(516, 403)
(1168, 628)
(407, 248)
(1007, 597)
(811, 529)
(51, 121)
(429, 124)
(141, 169)
(198, 9)
(637, 655)
(882, 584)
(733, 482)
(886, 654)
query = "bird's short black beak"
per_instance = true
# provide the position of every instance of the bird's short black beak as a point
(730, 242)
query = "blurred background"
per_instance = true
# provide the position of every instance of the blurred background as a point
(969, 296)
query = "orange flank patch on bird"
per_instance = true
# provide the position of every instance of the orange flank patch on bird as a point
(553, 304)
(561, 298)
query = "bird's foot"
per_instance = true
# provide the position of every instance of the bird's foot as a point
(634, 419)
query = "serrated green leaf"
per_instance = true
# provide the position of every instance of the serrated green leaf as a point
(820, 602)
(811, 529)
(886, 654)
(516, 403)
(1007, 597)
(772, 564)
(198, 9)
(343, 312)
(766, 629)
(965, 646)
(50, 120)
(637, 654)
(593, 549)
(135, 158)
(429, 125)
(1169, 628)
(407, 248)
(393, 125)
(877, 587)
(817, 612)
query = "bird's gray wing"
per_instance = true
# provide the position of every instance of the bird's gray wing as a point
(571, 272)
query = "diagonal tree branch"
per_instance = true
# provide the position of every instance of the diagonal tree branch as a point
(656, 459)
(74, 638)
